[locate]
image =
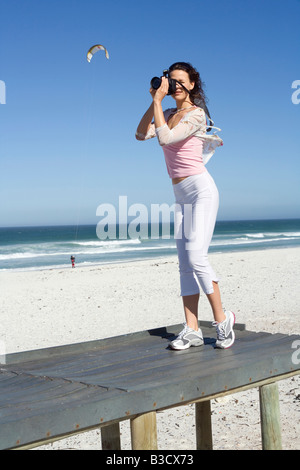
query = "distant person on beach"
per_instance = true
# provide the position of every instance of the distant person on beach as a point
(73, 261)
(182, 133)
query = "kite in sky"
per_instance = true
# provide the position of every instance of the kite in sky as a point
(94, 49)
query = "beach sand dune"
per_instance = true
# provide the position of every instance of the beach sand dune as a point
(60, 306)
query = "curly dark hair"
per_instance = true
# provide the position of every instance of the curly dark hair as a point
(197, 94)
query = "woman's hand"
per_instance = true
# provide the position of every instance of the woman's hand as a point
(159, 94)
(152, 92)
(154, 110)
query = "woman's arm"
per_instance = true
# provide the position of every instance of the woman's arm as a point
(194, 121)
(159, 118)
(145, 128)
(145, 123)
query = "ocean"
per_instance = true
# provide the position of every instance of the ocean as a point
(35, 248)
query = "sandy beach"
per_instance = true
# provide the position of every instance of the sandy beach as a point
(60, 306)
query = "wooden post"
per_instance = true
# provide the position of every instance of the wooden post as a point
(110, 437)
(270, 417)
(144, 432)
(204, 439)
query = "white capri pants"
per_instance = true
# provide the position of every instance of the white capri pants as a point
(197, 203)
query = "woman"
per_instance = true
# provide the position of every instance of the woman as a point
(181, 132)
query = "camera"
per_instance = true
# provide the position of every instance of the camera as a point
(156, 82)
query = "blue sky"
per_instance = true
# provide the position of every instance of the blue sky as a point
(67, 129)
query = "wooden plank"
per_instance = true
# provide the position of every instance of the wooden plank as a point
(74, 367)
(204, 439)
(67, 419)
(144, 432)
(164, 376)
(110, 437)
(140, 370)
(107, 362)
(72, 410)
(148, 369)
(115, 341)
(223, 360)
(79, 348)
(45, 396)
(266, 366)
(143, 370)
(270, 417)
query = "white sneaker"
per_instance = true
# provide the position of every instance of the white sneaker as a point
(187, 338)
(225, 333)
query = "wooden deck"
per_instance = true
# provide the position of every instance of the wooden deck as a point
(52, 393)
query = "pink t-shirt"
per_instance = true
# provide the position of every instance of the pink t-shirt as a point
(184, 144)
(184, 158)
